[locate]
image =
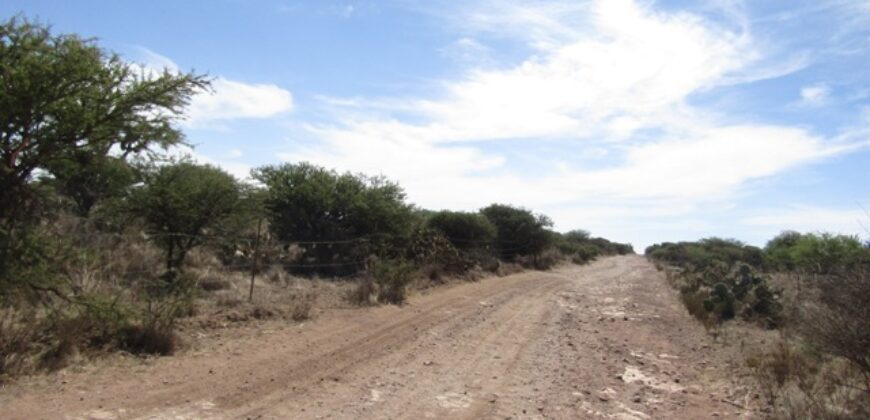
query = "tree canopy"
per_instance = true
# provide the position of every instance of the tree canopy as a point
(464, 230)
(519, 232)
(181, 203)
(63, 98)
(338, 218)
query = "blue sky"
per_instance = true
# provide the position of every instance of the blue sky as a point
(641, 121)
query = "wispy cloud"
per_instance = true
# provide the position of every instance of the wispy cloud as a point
(805, 218)
(228, 99)
(632, 73)
(612, 76)
(814, 95)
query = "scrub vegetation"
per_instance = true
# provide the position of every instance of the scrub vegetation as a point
(107, 244)
(812, 288)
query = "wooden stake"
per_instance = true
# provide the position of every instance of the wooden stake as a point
(254, 265)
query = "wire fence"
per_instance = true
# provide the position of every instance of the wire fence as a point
(255, 250)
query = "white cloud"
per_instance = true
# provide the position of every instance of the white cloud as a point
(613, 76)
(468, 51)
(227, 99)
(814, 95)
(235, 100)
(811, 219)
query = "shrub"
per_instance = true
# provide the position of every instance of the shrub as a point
(429, 247)
(89, 179)
(148, 339)
(719, 293)
(300, 306)
(466, 231)
(821, 254)
(838, 321)
(391, 278)
(28, 264)
(362, 294)
(338, 219)
(706, 253)
(19, 335)
(582, 248)
(181, 203)
(799, 382)
(518, 231)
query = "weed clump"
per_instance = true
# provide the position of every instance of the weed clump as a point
(392, 277)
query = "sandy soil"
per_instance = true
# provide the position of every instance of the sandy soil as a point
(606, 340)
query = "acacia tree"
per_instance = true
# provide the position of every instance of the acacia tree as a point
(182, 203)
(63, 98)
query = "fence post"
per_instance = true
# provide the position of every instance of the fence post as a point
(254, 265)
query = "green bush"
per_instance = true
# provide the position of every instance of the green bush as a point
(430, 247)
(706, 253)
(518, 231)
(181, 204)
(466, 231)
(27, 264)
(720, 292)
(582, 248)
(338, 219)
(392, 278)
(815, 253)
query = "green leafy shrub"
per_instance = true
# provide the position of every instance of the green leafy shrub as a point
(581, 248)
(466, 231)
(706, 253)
(181, 204)
(518, 231)
(391, 277)
(815, 253)
(337, 219)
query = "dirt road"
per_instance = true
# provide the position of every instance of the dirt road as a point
(607, 340)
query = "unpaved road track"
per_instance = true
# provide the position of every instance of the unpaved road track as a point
(607, 340)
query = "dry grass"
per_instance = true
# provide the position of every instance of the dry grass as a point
(277, 295)
(800, 383)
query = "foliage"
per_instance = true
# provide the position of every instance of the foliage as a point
(518, 231)
(706, 253)
(338, 219)
(725, 293)
(392, 278)
(465, 231)
(182, 203)
(582, 248)
(88, 179)
(815, 253)
(428, 247)
(26, 264)
(64, 97)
